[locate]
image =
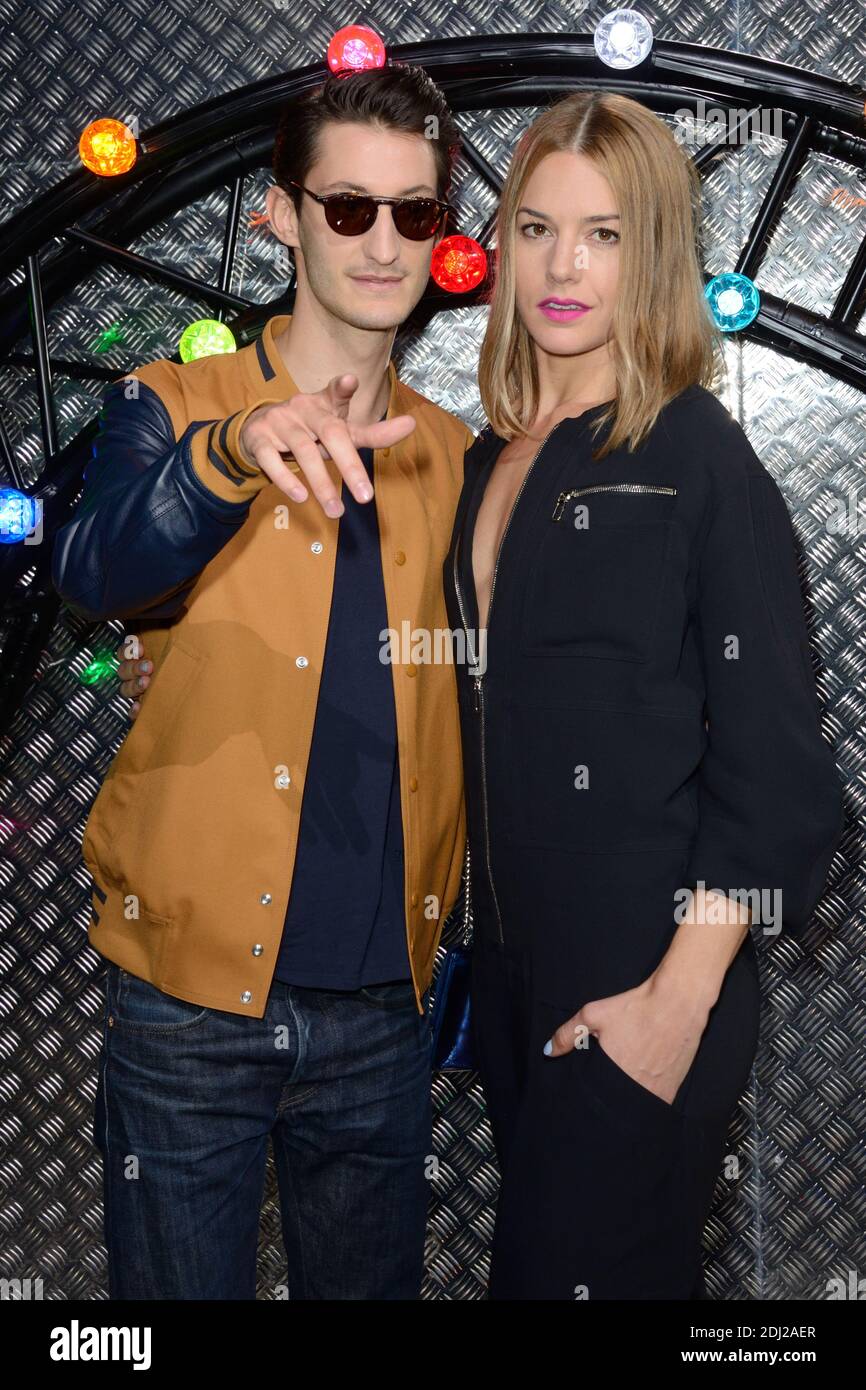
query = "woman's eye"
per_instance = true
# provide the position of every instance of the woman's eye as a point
(608, 236)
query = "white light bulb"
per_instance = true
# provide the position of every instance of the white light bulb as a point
(623, 39)
(730, 302)
(622, 35)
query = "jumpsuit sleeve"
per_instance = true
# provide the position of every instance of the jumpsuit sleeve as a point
(770, 809)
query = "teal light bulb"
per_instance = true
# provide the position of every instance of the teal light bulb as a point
(734, 300)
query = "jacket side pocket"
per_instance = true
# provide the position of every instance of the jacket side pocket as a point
(148, 746)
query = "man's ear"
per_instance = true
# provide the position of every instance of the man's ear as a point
(282, 216)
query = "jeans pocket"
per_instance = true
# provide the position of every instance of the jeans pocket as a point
(397, 994)
(139, 1007)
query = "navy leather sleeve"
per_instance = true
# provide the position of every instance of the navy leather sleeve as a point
(145, 525)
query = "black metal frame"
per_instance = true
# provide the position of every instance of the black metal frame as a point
(224, 140)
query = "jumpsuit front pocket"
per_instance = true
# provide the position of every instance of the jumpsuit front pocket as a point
(595, 582)
(616, 1094)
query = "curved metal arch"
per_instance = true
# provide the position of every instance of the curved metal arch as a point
(224, 140)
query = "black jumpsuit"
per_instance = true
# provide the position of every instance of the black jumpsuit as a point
(622, 618)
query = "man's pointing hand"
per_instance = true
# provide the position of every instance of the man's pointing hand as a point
(310, 428)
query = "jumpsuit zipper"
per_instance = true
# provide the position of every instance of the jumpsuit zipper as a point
(608, 487)
(477, 679)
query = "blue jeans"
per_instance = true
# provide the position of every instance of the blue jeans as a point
(186, 1099)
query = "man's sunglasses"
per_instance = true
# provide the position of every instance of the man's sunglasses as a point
(352, 214)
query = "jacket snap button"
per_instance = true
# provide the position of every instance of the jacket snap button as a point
(265, 898)
(411, 670)
(400, 557)
(413, 784)
(246, 997)
(283, 780)
(301, 661)
(257, 950)
(317, 547)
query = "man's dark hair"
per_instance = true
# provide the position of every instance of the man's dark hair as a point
(398, 96)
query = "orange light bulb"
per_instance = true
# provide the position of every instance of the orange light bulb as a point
(107, 147)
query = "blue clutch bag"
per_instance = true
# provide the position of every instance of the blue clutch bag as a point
(449, 1014)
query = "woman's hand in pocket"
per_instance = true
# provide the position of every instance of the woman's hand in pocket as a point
(649, 1035)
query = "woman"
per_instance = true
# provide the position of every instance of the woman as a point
(641, 719)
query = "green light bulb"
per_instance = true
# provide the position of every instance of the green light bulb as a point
(205, 338)
(102, 668)
(108, 339)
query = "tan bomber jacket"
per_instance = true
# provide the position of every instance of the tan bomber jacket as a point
(191, 839)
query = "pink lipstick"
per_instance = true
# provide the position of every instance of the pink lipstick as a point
(563, 310)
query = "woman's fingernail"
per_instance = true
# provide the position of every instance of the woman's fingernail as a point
(548, 1047)
(147, 666)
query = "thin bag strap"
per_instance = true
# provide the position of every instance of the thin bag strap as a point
(468, 925)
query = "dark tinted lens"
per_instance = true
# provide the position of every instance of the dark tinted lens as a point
(350, 215)
(417, 218)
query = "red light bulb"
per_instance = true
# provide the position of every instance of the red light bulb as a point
(458, 264)
(355, 47)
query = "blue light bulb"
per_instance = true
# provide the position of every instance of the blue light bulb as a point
(19, 515)
(734, 300)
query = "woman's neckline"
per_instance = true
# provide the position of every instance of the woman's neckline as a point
(573, 419)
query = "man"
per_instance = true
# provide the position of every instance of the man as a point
(281, 833)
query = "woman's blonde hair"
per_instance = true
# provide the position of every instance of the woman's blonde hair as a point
(663, 336)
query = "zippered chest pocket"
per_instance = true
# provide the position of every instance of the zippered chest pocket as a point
(596, 580)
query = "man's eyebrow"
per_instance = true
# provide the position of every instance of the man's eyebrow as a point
(359, 188)
(596, 217)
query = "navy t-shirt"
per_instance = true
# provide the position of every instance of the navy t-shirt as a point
(345, 921)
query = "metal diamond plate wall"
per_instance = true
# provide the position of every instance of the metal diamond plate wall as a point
(788, 1212)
